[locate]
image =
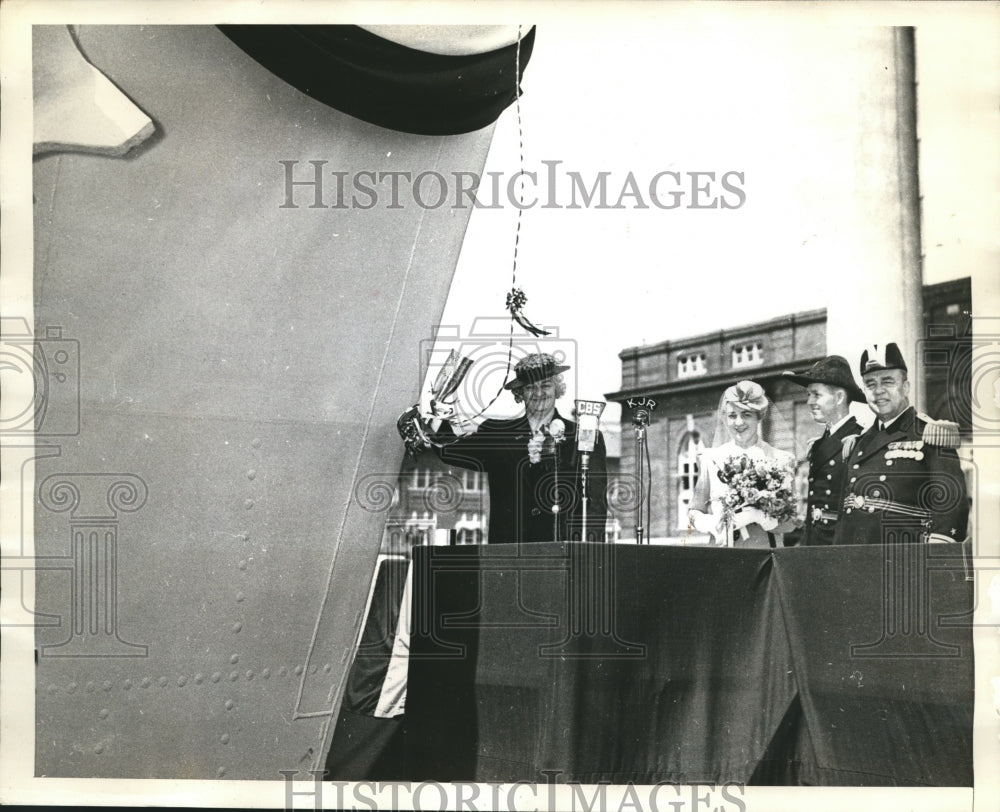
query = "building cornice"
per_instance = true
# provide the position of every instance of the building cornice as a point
(662, 347)
(762, 374)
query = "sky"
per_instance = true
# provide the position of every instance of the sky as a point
(772, 103)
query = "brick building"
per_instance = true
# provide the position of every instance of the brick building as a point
(430, 497)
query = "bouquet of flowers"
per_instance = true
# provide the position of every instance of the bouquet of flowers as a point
(535, 445)
(760, 483)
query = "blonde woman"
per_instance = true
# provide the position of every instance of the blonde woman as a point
(738, 438)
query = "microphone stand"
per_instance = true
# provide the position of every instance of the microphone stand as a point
(555, 496)
(640, 444)
(584, 468)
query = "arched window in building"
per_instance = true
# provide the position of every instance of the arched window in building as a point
(412, 530)
(469, 530)
(690, 447)
(420, 529)
(463, 531)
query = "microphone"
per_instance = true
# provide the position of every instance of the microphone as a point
(557, 431)
(588, 415)
(642, 410)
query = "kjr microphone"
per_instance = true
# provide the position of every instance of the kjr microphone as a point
(642, 408)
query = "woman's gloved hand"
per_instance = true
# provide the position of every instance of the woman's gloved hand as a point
(752, 515)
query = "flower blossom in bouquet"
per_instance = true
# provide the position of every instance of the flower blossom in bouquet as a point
(760, 483)
(535, 444)
(544, 441)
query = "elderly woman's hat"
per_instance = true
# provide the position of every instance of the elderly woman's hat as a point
(534, 368)
(834, 370)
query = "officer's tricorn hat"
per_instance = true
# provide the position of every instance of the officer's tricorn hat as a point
(834, 370)
(534, 368)
(876, 358)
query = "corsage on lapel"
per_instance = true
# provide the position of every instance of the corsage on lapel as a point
(545, 441)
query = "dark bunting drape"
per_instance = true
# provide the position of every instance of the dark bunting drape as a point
(646, 664)
(362, 743)
(385, 83)
(882, 650)
(662, 644)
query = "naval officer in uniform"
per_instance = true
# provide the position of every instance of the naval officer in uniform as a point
(904, 482)
(831, 389)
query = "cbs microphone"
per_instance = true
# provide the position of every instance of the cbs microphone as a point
(588, 416)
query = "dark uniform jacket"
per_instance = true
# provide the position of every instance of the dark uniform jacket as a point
(902, 485)
(827, 468)
(522, 492)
